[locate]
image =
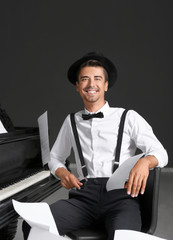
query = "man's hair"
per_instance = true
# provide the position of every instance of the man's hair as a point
(93, 63)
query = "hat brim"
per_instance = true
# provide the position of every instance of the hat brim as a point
(107, 64)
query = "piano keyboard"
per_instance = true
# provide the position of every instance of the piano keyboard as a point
(23, 184)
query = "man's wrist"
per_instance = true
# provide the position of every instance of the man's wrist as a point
(61, 172)
(152, 161)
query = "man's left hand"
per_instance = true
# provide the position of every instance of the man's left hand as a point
(139, 175)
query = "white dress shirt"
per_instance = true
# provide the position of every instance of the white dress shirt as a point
(98, 138)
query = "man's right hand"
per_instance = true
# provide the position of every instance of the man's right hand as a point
(68, 180)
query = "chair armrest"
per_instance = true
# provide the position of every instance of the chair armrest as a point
(149, 202)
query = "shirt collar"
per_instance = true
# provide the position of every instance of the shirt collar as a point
(105, 109)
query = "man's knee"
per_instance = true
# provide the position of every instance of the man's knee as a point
(64, 214)
(131, 225)
(70, 215)
(127, 217)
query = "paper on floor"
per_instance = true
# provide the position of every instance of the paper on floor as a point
(134, 235)
(37, 233)
(37, 215)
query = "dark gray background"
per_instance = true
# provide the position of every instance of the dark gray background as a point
(40, 39)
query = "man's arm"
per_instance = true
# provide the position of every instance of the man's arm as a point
(68, 180)
(61, 149)
(142, 135)
(139, 175)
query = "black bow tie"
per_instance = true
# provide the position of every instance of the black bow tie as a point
(95, 115)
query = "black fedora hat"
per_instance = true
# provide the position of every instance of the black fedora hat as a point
(105, 62)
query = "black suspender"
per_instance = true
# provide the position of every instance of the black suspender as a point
(73, 123)
(119, 140)
(118, 148)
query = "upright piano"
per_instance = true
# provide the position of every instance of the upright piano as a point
(22, 175)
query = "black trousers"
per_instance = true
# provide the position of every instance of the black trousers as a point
(92, 204)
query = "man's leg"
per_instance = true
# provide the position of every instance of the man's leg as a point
(126, 215)
(70, 215)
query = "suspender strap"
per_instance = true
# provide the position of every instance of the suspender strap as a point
(83, 165)
(119, 140)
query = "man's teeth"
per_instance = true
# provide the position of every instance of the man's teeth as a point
(91, 91)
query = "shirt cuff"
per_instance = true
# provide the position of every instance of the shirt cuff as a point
(55, 167)
(162, 160)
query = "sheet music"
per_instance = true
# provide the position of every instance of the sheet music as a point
(43, 235)
(39, 217)
(2, 129)
(44, 138)
(134, 235)
(37, 233)
(121, 175)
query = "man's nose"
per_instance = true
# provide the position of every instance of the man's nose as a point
(91, 82)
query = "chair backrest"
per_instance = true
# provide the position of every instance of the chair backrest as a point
(149, 212)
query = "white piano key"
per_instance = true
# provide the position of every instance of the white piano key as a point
(23, 184)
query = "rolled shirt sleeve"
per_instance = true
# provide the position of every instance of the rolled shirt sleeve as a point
(61, 148)
(144, 138)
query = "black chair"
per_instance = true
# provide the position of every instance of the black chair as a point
(149, 212)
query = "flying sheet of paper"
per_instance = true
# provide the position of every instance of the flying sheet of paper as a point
(43, 235)
(44, 138)
(134, 235)
(121, 175)
(2, 129)
(37, 215)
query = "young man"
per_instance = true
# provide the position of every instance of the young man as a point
(88, 200)
(97, 128)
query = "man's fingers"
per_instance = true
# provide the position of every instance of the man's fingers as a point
(75, 182)
(136, 185)
(138, 178)
(143, 185)
(78, 184)
(64, 185)
(70, 181)
(129, 184)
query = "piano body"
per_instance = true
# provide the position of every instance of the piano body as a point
(22, 176)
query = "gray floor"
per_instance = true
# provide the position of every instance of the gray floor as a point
(165, 213)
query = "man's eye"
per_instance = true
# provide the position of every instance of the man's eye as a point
(97, 79)
(84, 79)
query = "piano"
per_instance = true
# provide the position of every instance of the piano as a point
(22, 175)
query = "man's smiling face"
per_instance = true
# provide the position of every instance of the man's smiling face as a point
(92, 85)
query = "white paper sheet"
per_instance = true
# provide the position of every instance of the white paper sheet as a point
(42, 235)
(44, 138)
(37, 215)
(121, 175)
(2, 129)
(134, 235)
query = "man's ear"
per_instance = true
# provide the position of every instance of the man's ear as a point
(106, 86)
